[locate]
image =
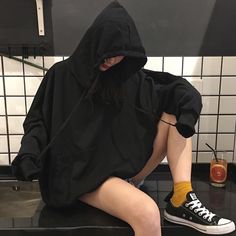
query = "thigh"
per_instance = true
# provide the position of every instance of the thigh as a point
(122, 200)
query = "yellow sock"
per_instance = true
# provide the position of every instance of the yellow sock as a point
(180, 191)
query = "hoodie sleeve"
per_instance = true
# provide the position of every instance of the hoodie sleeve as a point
(178, 97)
(181, 99)
(26, 164)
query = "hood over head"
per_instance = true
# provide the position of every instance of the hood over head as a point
(113, 33)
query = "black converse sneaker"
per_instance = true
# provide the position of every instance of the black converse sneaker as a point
(192, 213)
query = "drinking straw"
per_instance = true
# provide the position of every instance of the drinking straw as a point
(214, 151)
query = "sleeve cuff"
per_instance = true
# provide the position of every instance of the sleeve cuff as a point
(186, 124)
(25, 169)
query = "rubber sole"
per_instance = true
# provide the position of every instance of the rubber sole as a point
(214, 230)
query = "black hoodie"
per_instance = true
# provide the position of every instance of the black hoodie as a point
(74, 139)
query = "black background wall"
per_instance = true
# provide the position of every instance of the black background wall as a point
(166, 27)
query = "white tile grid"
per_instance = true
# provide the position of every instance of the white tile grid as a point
(210, 85)
(12, 67)
(15, 105)
(227, 123)
(3, 128)
(3, 143)
(194, 142)
(228, 85)
(2, 106)
(192, 66)
(14, 86)
(12, 156)
(228, 105)
(234, 157)
(32, 85)
(1, 65)
(15, 142)
(29, 101)
(1, 85)
(229, 66)
(206, 138)
(30, 70)
(15, 124)
(225, 142)
(211, 66)
(196, 82)
(49, 61)
(206, 157)
(207, 123)
(4, 160)
(210, 105)
(173, 65)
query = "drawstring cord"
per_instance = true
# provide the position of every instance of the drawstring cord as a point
(167, 122)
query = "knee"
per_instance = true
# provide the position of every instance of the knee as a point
(148, 219)
(169, 117)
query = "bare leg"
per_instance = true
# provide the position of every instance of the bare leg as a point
(179, 154)
(178, 149)
(159, 151)
(122, 200)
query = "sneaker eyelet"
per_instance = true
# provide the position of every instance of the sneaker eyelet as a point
(186, 204)
(200, 214)
(195, 210)
(204, 217)
(209, 220)
(190, 208)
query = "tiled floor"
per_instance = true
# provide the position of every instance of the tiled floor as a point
(22, 211)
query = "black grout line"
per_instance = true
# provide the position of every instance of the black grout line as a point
(6, 116)
(182, 69)
(218, 108)
(234, 142)
(198, 128)
(198, 133)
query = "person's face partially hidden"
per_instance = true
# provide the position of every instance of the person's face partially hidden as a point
(110, 62)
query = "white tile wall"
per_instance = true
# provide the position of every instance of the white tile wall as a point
(208, 75)
(49, 61)
(228, 104)
(4, 159)
(12, 67)
(32, 84)
(3, 128)
(207, 123)
(15, 142)
(227, 123)
(211, 65)
(14, 86)
(228, 85)
(0, 67)
(29, 101)
(173, 65)
(194, 142)
(206, 138)
(192, 66)
(15, 105)
(3, 143)
(15, 124)
(2, 106)
(210, 105)
(30, 70)
(225, 142)
(196, 82)
(229, 67)
(204, 157)
(1, 85)
(210, 85)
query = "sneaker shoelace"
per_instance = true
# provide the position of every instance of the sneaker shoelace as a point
(198, 208)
